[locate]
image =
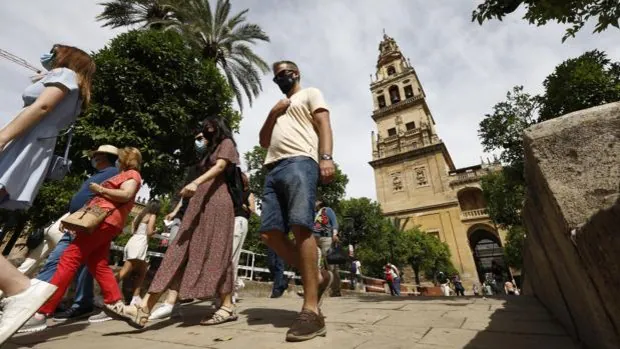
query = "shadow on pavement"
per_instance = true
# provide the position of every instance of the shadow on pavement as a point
(279, 318)
(60, 331)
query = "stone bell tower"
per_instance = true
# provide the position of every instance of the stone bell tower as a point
(410, 162)
(415, 177)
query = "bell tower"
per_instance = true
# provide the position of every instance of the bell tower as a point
(415, 177)
(408, 158)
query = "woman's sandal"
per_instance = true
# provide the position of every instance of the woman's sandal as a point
(134, 316)
(222, 315)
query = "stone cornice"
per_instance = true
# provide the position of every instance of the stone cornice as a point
(414, 153)
(404, 104)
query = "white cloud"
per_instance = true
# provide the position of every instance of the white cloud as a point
(465, 68)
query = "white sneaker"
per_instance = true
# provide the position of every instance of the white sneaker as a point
(97, 318)
(136, 300)
(165, 311)
(19, 308)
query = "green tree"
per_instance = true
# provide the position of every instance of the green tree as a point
(504, 197)
(513, 250)
(503, 129)
(150, 92)
(148, 14)
(579, 83)
(220, 37)
(541, 12)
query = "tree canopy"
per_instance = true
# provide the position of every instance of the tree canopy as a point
(540, 12)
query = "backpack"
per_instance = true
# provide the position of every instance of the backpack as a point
(234, 180)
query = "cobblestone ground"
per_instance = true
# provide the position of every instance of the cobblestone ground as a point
(353, 322)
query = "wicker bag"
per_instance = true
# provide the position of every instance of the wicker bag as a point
(86, 219)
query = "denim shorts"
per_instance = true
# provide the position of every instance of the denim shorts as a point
(289, 195)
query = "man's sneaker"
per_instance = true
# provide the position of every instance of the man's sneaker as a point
(97, 318)
(73, 313)
(165, 311)
(37, 323)
(328, 278)
(307, 326)
(19, 308)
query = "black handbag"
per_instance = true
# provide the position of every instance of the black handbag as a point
(336, 255)
(35, 239)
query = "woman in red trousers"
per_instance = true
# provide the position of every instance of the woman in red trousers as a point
(117, 195)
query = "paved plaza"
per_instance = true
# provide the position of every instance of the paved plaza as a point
(360, 322)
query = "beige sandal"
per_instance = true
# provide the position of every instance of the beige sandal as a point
(134, 316)
(222, 315)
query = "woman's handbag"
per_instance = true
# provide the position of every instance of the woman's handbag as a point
(86, 219)
(336, 255)
(60, 165)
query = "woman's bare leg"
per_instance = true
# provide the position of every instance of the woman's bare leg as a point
(125, 270)
(12, 282)
(141, 268)
(151, 299)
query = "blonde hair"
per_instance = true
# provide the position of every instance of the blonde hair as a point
(81, 63)
(129, 158)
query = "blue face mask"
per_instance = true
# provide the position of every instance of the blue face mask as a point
(200, 146)
(47, 59)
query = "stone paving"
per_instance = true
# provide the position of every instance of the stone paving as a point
(361, 322)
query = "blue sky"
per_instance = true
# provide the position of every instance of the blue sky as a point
(465, 68)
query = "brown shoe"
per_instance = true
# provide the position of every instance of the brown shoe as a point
(307, 326)
(328, 278)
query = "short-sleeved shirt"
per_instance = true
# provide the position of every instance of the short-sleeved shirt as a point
(294, 133)
(118, 211)
(325, 222)
(85, 194)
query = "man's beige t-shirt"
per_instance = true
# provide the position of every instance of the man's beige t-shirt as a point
(294, 134)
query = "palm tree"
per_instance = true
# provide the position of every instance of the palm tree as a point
(226, 40)
(149, 14)
(220, 37)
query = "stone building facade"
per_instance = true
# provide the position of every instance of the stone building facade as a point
(415, 176)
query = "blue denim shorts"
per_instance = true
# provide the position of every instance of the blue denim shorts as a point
(289, 195)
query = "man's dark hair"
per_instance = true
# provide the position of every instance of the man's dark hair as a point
(289, 63)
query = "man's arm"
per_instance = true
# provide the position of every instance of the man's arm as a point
(265, 132)
(320, 114)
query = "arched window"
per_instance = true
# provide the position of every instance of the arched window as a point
(391, 70)
(381, 101)
(394, 94)
(408, 91)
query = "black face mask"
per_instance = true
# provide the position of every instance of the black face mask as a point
(285, 83)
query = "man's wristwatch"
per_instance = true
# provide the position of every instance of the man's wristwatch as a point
(326, 157)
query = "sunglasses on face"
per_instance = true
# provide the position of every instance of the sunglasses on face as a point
(282, 74)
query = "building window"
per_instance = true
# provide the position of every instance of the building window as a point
(381, 101)
(391, 70)
(410, 125)
(434, 233)
(391, 132)
(408, 91)
(394, 94)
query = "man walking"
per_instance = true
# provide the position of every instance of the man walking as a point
(298, 138)
(276, 268)
(326, 233)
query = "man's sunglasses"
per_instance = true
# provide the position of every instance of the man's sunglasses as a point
(282, 74)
